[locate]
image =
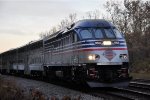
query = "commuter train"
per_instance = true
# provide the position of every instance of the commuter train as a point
(89, 51)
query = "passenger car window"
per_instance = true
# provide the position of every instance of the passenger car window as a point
(85, 34)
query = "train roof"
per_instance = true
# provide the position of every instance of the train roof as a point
(92, 23)
(86, 23)
(53, 35)
(31, 43)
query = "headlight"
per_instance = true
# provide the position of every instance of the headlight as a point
(124, 56)
(107, 43)
(93, 57)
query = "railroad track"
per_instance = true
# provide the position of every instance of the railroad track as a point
(137, 90)
(110, 95)
(121, 94)
(141, 80)
(140, 85)
(132, 93)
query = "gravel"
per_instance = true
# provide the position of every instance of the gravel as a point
(49, 90)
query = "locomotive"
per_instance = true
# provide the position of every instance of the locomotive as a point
(90, 51)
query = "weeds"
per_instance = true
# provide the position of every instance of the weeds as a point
(10, 91)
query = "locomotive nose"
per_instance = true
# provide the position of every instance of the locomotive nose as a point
(109, 54)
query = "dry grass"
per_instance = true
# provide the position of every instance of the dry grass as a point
(9, 91)
(37, 95)
(140, 75)
(141, 66)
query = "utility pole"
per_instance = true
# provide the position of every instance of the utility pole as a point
(1, 62)
(17, 60)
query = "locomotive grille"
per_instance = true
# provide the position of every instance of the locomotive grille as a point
(108, 73)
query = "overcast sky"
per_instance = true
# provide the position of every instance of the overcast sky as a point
(21, 21)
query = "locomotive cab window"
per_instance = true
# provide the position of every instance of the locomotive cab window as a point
(73, 37)
(117, 33)
(109, 33)
(86, 34)
(98, 33)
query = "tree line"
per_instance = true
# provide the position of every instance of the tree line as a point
(132, 17)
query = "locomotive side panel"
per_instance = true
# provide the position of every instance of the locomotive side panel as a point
(36, 60)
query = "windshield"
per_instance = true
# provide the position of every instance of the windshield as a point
(86, 34)
(100, 33)
(117, 33)
(109, 33)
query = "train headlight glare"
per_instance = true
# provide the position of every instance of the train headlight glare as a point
(107, 43)
(93, 57)
(90, 57)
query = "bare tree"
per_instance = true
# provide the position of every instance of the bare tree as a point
(63, 24)
(92, 15)
(72, 18)
(134, 20)
(68, 21)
